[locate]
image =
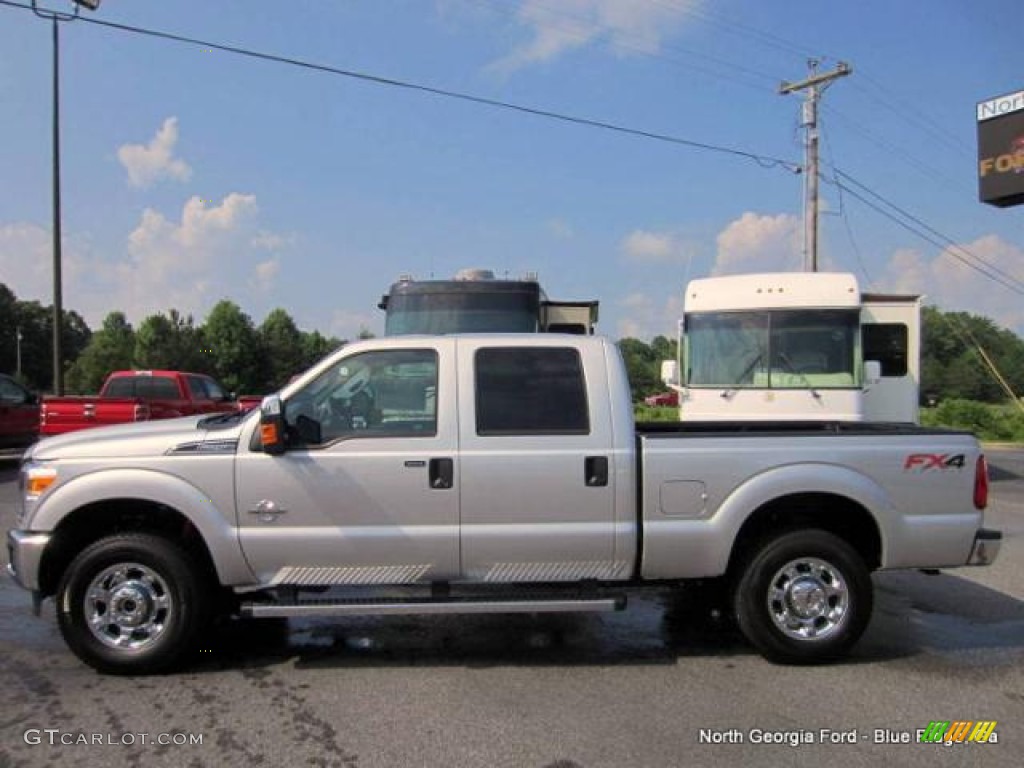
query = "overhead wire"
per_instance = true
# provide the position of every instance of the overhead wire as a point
(940, 241)
(573, 24)
(763, 160)
(851, 185)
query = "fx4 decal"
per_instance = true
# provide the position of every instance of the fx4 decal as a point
(927, 461)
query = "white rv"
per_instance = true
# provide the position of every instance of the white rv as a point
(801, 346)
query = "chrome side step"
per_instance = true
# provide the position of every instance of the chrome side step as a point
(301, 608)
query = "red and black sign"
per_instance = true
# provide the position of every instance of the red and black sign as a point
(1001, 150)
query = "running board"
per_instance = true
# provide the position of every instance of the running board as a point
(401, 607)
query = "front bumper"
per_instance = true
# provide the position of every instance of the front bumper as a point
(986, 547)
(25, 552)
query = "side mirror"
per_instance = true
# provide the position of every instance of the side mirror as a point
(872, 372)
(272, 427)
(670, 373)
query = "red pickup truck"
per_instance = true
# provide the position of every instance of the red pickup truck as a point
(135, 396)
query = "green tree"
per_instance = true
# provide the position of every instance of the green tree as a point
(36, 324)
(234, 348)
(282, 349)
(8, 330)
(955, 346)
(641, 367)
(112, 348)
(171, 342)
(315, 347)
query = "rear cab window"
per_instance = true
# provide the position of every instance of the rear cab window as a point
(530, 391)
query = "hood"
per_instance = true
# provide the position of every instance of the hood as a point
(142, 438)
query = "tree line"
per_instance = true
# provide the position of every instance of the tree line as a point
(251, 359)
(243, 357)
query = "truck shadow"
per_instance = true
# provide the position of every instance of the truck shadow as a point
(916, 615)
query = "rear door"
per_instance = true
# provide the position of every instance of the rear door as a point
(536, 462)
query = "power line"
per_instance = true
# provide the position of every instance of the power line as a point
(926, 232)
(765, 161)
(573, 25)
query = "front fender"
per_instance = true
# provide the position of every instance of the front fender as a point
(213, 523)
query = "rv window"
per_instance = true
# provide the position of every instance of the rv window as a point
(887, 343)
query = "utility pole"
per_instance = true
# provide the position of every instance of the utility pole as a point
(815, 84)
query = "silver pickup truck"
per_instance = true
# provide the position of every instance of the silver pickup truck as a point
(479, 473)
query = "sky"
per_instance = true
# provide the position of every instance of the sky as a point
(191, 174)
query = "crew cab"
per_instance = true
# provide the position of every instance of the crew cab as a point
(480, 473)
(19, 416)
(136, 396)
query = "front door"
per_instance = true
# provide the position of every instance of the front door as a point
(366, 492)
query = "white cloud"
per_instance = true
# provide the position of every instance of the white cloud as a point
(657, 248)
(265, 275)
(269, 241)
(176, 263)
(26, 262)
(148, 163)
(561, 229)
(757, 243)
(625, 26)
(26, 265)
(953, 286)
(644, 317)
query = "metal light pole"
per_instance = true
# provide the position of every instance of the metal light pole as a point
(55, 18)
(17, 338)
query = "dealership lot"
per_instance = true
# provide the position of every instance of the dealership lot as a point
(650, 686)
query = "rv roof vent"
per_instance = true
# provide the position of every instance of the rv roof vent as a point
(474, 274)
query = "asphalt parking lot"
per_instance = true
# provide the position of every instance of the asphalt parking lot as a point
(650, 686)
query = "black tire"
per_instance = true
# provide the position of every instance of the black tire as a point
(803, 597)
(134, 604)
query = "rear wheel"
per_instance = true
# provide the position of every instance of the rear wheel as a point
(133, 604)
(803, 597)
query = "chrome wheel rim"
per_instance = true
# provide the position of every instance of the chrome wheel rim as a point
(128, 606)
(808, 599)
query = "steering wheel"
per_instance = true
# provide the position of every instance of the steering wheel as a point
(355, 385)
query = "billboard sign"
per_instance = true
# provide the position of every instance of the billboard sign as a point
(1001, 150)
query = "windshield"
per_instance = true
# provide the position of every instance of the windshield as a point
(451, 312)
(780, 349)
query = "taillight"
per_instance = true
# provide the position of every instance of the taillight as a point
(141, 412)
(981, 483)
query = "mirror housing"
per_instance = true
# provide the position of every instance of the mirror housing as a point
(670, 373)
(272, 426)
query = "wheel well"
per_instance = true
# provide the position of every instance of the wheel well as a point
(828, 512)
(93, 522)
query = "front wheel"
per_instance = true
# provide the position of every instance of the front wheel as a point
(803, 597)
(133, 604)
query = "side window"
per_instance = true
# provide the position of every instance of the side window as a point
(887, 343)
(213, 389)
(198, 388)
(123, 386)
(11, 392)
(157, 388)
(530, 390)
(386, 393)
